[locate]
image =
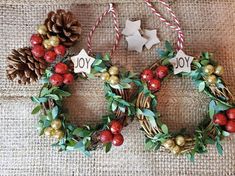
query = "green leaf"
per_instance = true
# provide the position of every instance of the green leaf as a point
(221, 107)
(108, 147)
(36, 109)
(35, 100)
(168, 46)
(161, 53)
(62, 93)
(191, 157)
(164, 129)
(149, 145)
(81, 132)
(44, 91)
(97, 62)
(219, 147)
(114, 106)
(106, 57)
(165, 62)
(204, 62)
(212, 109)
(225, 133)
(55, 112)
(148, 113)
(53, 96)
(201, 86)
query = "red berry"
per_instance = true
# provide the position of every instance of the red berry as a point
(230, 127)
(116, 127)
(56, 80)
(50, 56)
(117, 140)
(147, 75)
(231, 113)
(162, 72)
(106, 136)
(60, 50)
(36, 39)
(61, 68)
(68, 78)
(220, 119)
(154, 85)
(38, 51)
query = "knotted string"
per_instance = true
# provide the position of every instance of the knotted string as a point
(111, 10)
(176, 27)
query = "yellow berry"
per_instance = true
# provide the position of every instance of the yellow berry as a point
(176, 150)
(114, 80)
(168, 144)
(180, 141)
(219, 70)
(113, 70)
(46, 43)
(58, 134)
(211, 79)
(42, 29)
(105, 76)
(209, 69)
(49, 131)
(56, 124)
(54, 41)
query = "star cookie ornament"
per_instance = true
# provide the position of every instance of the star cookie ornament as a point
(136, 42)
(131, 27)
(138, 38)
(151, 35)
(82, 62)
(181, 62)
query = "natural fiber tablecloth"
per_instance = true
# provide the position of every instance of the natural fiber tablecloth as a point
(209, 25)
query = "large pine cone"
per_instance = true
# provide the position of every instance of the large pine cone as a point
(64, 25)
(22, 65)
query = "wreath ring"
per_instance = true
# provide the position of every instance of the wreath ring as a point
(218, 124)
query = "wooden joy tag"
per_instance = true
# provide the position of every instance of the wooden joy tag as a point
(181, 62)
(82, 62)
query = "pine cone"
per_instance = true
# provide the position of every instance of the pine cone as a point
(64, 25)
(23, 65)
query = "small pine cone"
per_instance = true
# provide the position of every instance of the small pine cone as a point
(64, 25)
(22, 65)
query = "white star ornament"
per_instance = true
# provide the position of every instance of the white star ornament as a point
(181, 62)
(82, 62)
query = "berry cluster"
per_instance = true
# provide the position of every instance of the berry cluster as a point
(111, 76)
(175, 145)
(46, 48)
(61, 75)
(154, 79)
(226, 119)
(54, 129)
(212, 73)
(113, 134)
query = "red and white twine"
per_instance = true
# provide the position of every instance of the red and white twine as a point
(111, 10)
(176, 27)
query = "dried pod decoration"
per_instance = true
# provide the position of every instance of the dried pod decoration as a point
(28, 64)
(64, 25)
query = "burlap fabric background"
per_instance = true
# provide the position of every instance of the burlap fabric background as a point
(208, 25)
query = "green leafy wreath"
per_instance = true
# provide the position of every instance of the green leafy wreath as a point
(219, 123)
(54, 121)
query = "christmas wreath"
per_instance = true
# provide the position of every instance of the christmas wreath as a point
(218, 124)
(50, 61)
(54, 121)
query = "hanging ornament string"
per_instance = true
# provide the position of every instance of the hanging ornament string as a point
(111, 10)
(176, 27)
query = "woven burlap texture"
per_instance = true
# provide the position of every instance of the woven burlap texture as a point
(209, 25)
